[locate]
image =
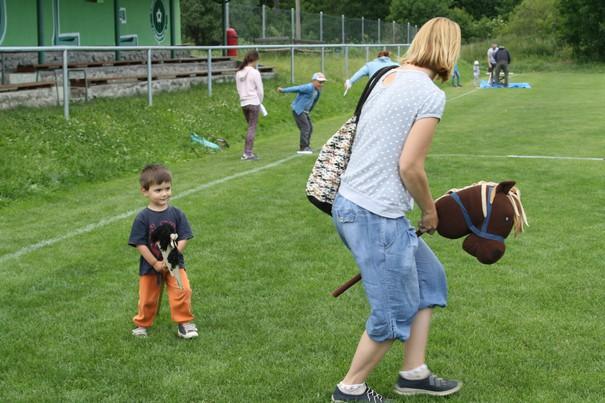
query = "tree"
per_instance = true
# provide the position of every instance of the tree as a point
(486, 8)
(350, 8)
(583, 27)
(201, 22)
(534, 22)
(417, 12)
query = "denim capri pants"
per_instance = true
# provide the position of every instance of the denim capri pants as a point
(400, 273)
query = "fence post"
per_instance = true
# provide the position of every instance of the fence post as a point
(362, 30)
(149, 93)
(292, 24)
(346, 61)
(393, 25)
(292, 64)
(264, 22)
(322, 60)
(65, 86)
(379, 23)
(342, 26)
(408, 41)
(321, 27)
(209, 72)
(3, 70)
(321, 39)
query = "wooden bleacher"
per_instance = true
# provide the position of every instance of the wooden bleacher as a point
(32, 68)
(26, 86)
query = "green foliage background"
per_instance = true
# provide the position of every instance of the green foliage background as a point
(548, 28)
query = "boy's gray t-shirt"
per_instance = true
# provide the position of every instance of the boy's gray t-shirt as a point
(372, 179)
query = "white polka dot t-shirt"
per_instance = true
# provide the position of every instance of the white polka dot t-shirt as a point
(372, 179)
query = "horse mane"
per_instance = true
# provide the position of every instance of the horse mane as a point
(513, 195)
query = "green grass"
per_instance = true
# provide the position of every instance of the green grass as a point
(263, 261)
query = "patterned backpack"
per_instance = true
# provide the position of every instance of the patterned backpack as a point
(333, 157)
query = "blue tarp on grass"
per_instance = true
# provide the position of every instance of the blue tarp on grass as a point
(485, 84)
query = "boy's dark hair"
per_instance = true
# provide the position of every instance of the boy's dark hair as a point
(154, 174)
(384, 53)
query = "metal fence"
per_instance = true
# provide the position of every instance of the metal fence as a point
(210, 51)
(266, 24)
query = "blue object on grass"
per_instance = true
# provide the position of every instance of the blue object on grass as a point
(485, 84)
(203, 142)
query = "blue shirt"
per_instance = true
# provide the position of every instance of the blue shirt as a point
(372, 67)
(306, 98)
(146, 222)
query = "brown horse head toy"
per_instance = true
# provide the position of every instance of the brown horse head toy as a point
(486, 212)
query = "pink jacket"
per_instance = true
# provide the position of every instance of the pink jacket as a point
(249, 86)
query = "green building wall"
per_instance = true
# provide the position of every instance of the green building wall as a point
(87, 22)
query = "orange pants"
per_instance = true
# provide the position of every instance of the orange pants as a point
(150, 294)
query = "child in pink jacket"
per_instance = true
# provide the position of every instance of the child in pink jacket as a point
(250, 89)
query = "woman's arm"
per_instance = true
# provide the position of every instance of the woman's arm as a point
(413, 175)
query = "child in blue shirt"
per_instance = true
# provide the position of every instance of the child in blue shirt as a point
(382, 60)
(306, 98)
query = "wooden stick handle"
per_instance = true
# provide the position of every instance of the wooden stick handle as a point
(355, 279)
(346, 285)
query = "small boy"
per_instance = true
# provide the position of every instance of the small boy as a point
(306, 98)
(476, 73)
(156, 182)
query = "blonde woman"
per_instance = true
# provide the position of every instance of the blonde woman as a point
(402, 277)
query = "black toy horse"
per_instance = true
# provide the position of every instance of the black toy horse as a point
(165, 238)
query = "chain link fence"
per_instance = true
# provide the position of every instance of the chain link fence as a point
(274, 25)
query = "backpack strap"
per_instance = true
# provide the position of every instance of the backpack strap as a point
(369, 87)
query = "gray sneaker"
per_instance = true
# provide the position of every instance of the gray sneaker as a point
(139, 332)
(306, 150)
(187, 330)
(249, 157)
(369, 395)
(431, 385)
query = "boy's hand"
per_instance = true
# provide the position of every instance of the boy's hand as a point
(279, 89)
(159, 266)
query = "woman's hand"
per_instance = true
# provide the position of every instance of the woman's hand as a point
(428, 222)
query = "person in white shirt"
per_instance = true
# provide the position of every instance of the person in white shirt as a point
(476, 73)
(491, 61)
(250, 89)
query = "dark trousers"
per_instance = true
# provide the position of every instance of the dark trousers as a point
(251, 115)
(504, 68)
(303, 121)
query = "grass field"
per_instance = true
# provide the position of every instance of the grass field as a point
(263, 262)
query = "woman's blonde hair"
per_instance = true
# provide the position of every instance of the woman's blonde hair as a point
(436, 46)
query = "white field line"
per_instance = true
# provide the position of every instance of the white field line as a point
(545, 157)
(462, 95)
(108, 220)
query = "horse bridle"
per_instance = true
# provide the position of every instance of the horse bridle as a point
(482, 233)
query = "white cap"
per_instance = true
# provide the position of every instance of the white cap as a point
(476, 62)
(319, 77)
